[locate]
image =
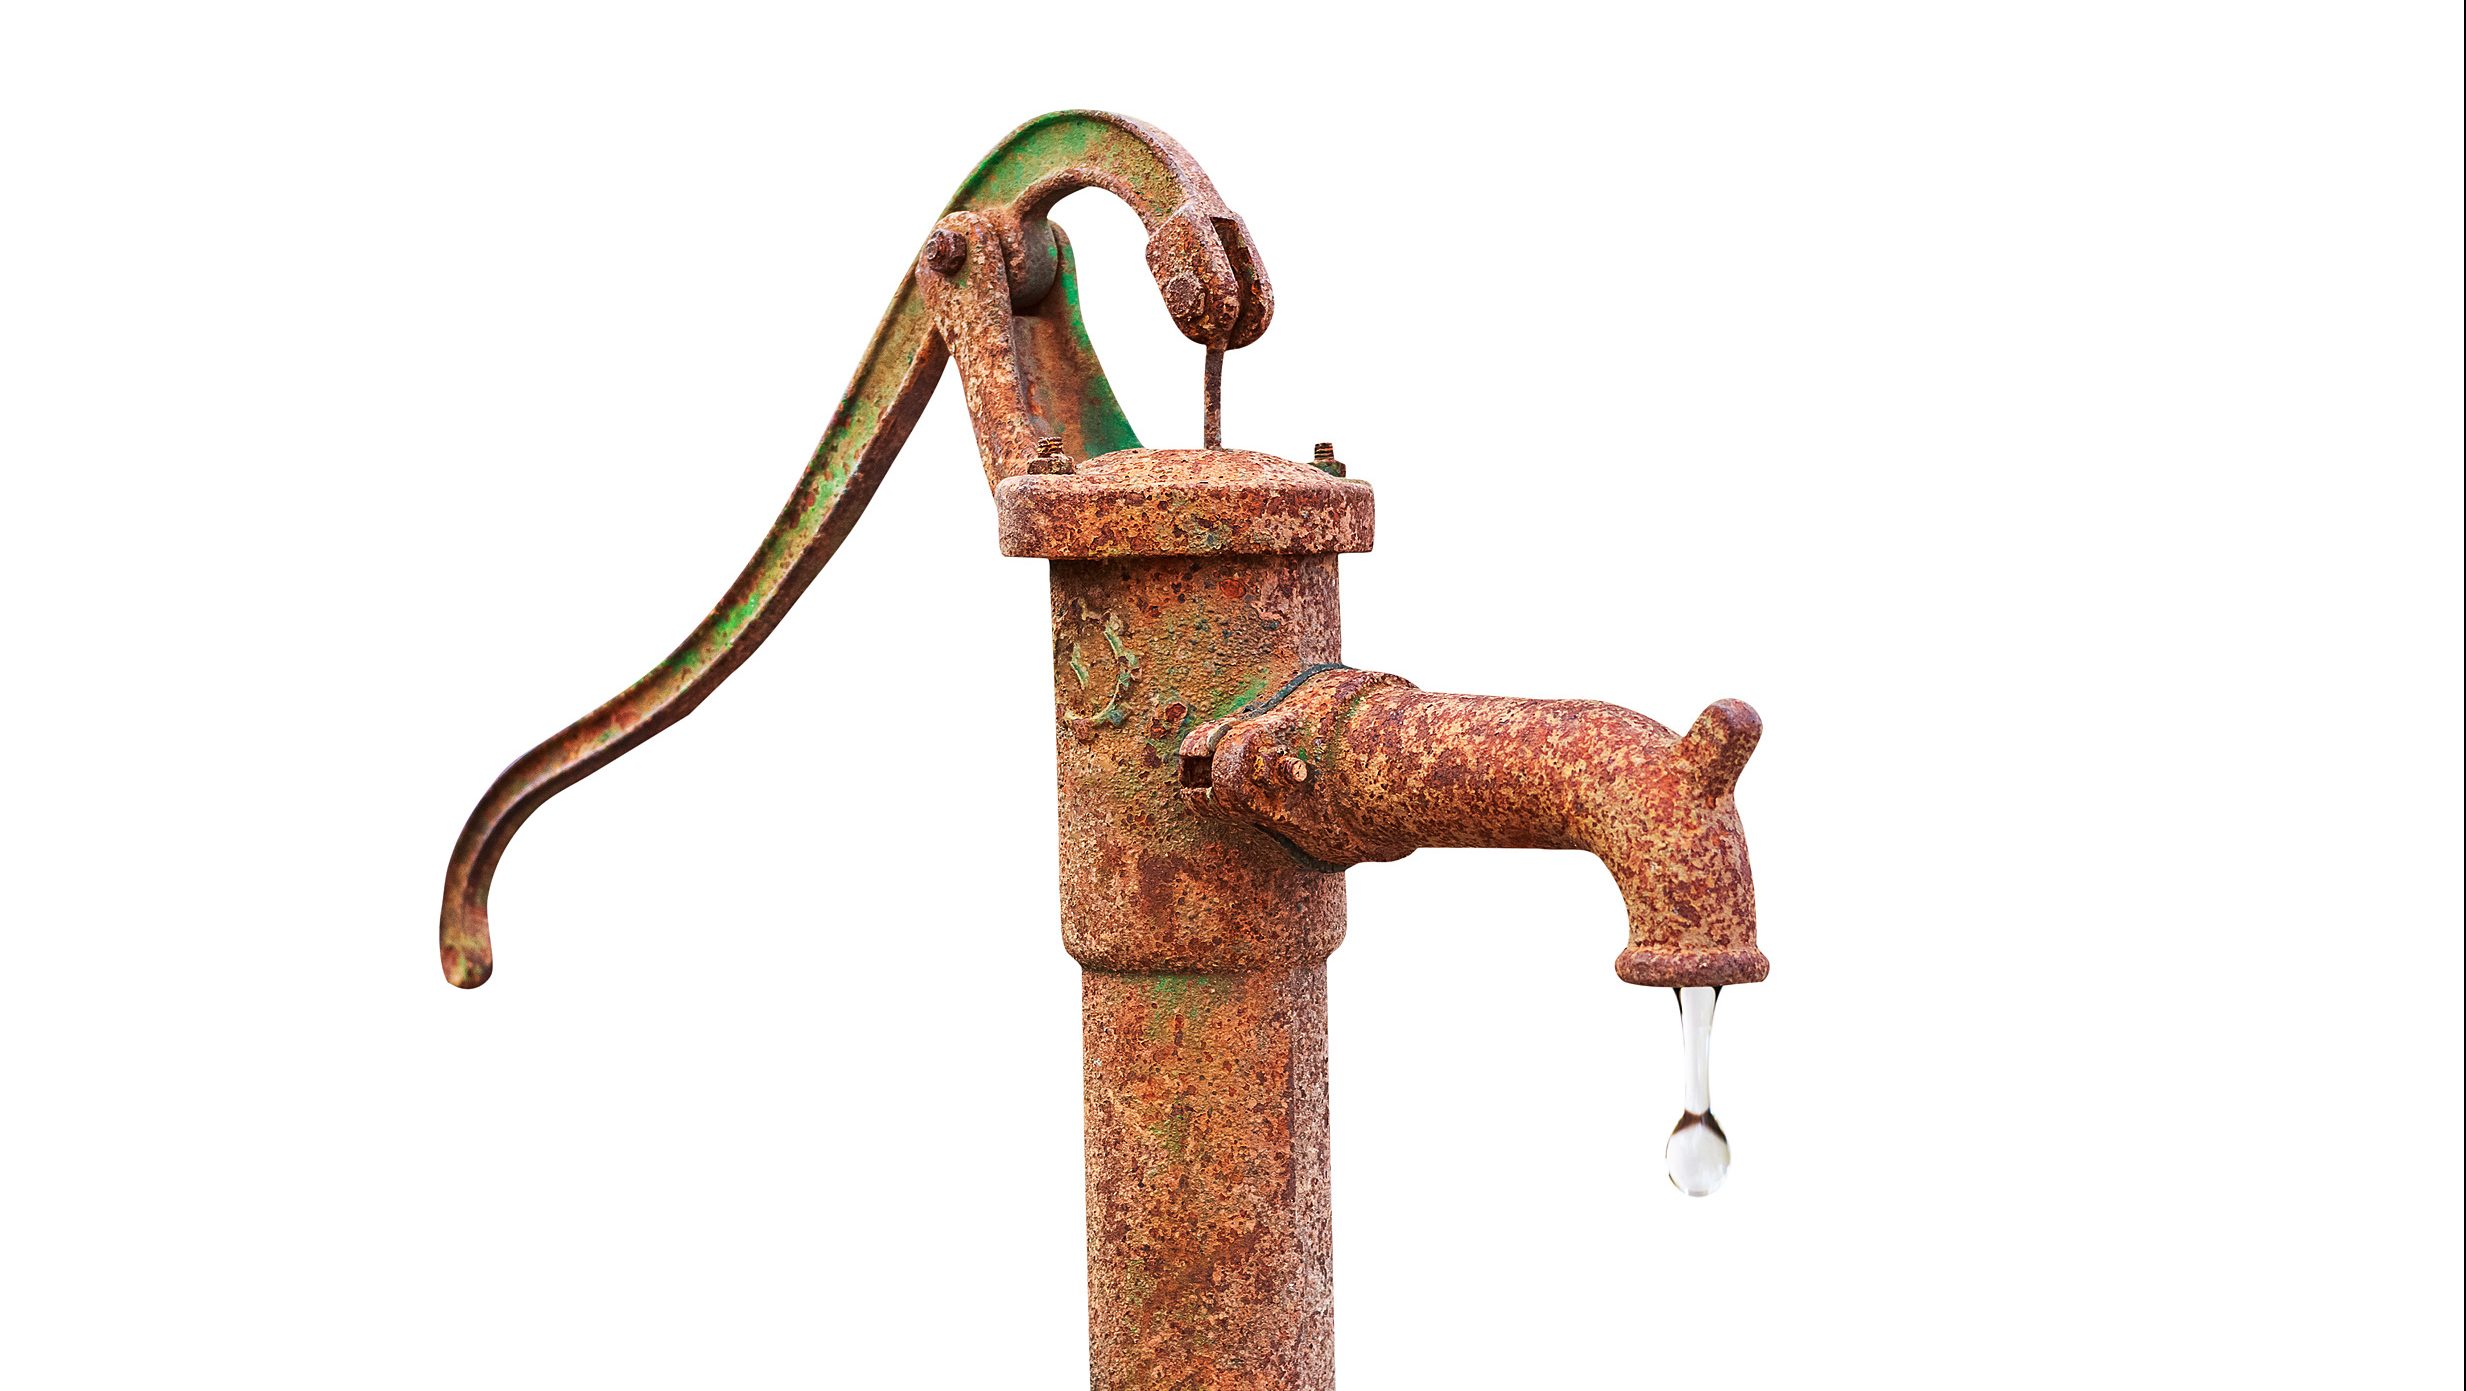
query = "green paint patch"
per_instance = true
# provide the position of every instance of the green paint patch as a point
(1103, 427)
(1173, 1132)
(852, 425)
(820, 497)
(1034, 151)
(733, 620)
(1126, 668)
(1250, 690)
(1187, 999)
(1190, 999)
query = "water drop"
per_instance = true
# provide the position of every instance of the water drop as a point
(1698, 1152)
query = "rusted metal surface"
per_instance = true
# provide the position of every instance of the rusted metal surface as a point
(1034, 390)
(1211, 400)
(1199, 251)
(1188, 585)
(972, 312)
(1356, 765)
(1144, 650)
(872, 422)
(1215, 287)
(1184, 502)
(1210, 1264)
(1203, 942)
(1216, 765)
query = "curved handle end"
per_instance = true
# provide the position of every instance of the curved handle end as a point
(463, 949)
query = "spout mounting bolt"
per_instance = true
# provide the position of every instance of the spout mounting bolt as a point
(946, 251)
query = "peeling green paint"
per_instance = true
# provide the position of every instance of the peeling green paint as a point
(734, 619)
(1172, 1132)
(1249, 691)
(1103, 427)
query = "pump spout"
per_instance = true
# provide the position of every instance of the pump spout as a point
(1349, 766)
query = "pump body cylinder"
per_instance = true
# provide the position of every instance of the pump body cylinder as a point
(1210, 1262)
(1205, 989)
(1189, 586)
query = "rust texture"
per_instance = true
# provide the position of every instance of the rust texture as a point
(1217, 768)
(1200, 501)
(1211, 401)
(1209, 1260)
(1214, 285)
(1145, 649)
(1355, 766)
(1204, 944)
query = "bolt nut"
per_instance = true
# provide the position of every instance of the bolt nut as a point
(1323, 455)
(1181, 295)
(1050, 456)
(946, 251)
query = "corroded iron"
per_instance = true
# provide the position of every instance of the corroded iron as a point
(1218, 766)
(1183, 501)
(1204, 945)
(1214, 286)
(1353, 766)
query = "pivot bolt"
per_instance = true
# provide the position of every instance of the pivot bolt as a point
(1182, 293)
(946, 251)
(1295, 769)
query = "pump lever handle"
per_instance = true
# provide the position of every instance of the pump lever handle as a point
(1214, 287)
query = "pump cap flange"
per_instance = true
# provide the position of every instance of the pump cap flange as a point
(1183, 502)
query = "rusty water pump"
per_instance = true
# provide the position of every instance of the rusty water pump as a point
(1220, 766)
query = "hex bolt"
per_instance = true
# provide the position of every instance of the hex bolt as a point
(945, 250)
(1050, 457)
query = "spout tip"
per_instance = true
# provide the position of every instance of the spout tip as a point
(1669, 970)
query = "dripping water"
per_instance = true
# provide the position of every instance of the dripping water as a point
(1698, 1153)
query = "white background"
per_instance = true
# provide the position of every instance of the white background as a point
(2047, 416)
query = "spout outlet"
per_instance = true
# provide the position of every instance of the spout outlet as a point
(1352, 766)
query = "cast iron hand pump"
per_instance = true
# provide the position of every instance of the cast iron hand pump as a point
(1219, 765)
